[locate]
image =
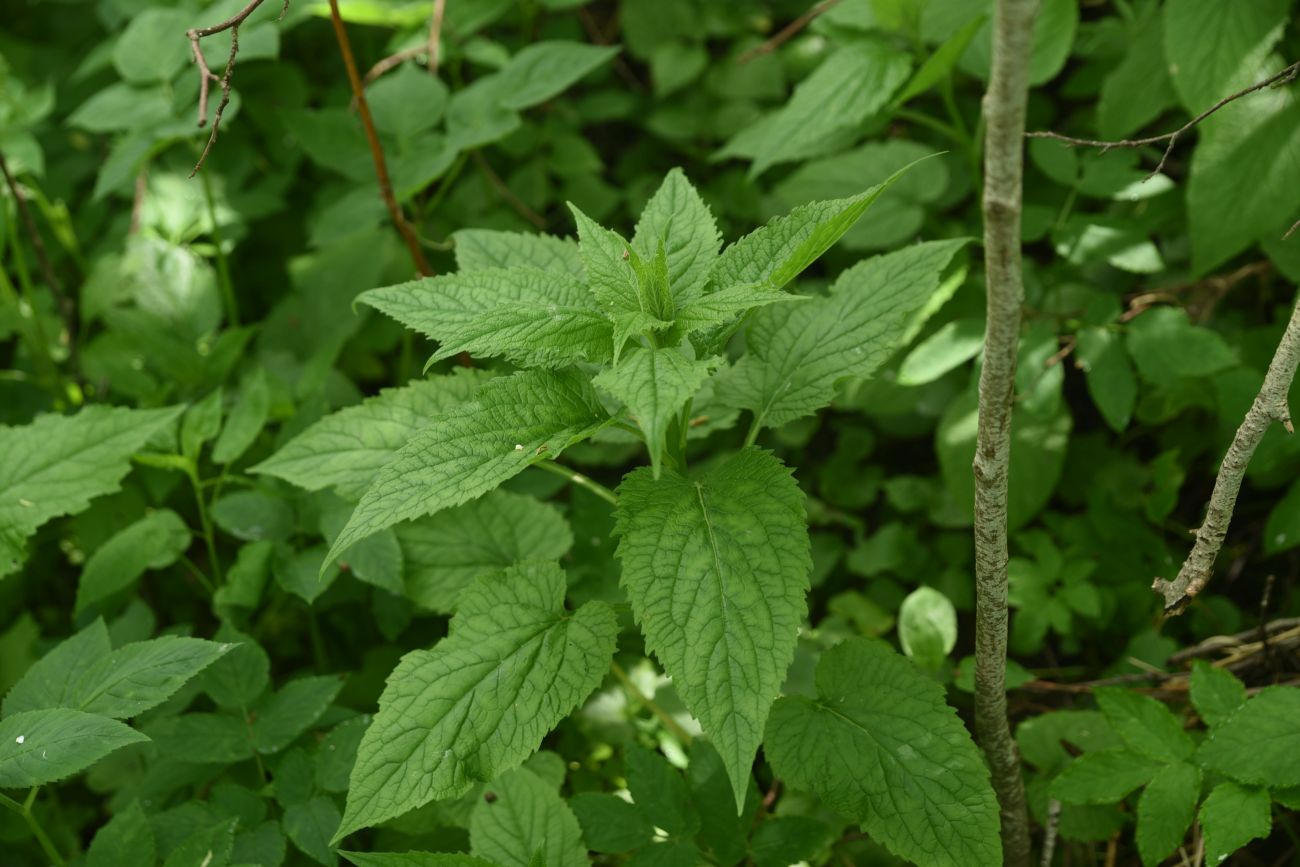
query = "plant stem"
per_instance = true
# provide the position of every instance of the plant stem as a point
(1004, 117)
(580, 480)
(223, 264)
(33, 824)
(649, 704)
(1270, 405)
(205, 523)
(404, 228)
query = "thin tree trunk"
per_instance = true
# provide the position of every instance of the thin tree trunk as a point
(1270, 405)
(1004, 115)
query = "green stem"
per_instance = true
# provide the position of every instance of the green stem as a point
(205, 522)
(317, 641)
(223, 265)
(34, 825)
(580, 480)
(938, 126)
(444, 186)
(752, 436)
(198, 574)
(38, 337)
(649, 704)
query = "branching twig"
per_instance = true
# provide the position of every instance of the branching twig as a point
(207, 76)
(409, 236)
(1291, 231)
(1004, 112)
(786, 33)
(1270, 405)
(430, 48)
(1283, 77)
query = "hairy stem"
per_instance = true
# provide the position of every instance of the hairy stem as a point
(1004, 116)
(1270, 405)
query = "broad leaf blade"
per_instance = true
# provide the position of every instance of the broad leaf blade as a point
(527, 823)
(880, 744)
(717, 571)
(45, 746)
(479, 249)
(483, 698)
(679, 219)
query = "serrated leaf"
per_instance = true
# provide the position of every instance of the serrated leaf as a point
(57, 464)
(1146, 725)
(660, 792)
(528, 316)
(777, 253)
(655, 384)
(1165, 811)
(679, 219)
(310, 825)
(291, 710)
(546, 69)
(444, 553)
(154, 542)
(45, 746)
(515, 421)
(345, 450)
(480, 249)
(83, 675)
(1259, 742)
(1216, 692)
(125, 841)
(881, 745)
(481, 700)
(415, 859)
(1103, 777)
(209, 846)
(609, 823)
(717, 568)
(526, 824)
(715, 308)
(797, 352)
(1231, 817)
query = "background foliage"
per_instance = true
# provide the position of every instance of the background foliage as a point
(226, 301)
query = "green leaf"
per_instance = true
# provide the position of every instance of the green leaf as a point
(798, 352)
(81, 673)
(939, 65)
(1259, 742)
(679, 219)
(209, 846)
(655, 384)
(1216, 47)
(345, 450)
(45, 746)
(716, 308)
(1231, 817)
(880, 745)
(667, 853)
(526, 824)
(1103, 777)
(777, 253)
(291, 710)
(1111, 382)
(722, 829)
(514, 422)
(202, 422)
(202, 738)
(444, 553)
(245, 421)
(57, 464)
(1215, 692)
(148, 50)
(716, 568)
(415, 859)
(850, 86)
(126, 841)
(531, 317)
(609, 823)
(1138, 89)
(238, 678)
(546, 69)
(660, 792)
(1146, 725)
(310, 826)
(154, 542)
(785, 840)
(927, 627)
(1165, 811)
(482, 249)
(481, 700)
(954, 344)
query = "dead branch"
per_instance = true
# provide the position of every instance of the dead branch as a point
(430, 48)
(207, 76)
(786, 33)
(1285, 76)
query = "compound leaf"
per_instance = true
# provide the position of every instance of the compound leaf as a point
(44, 746)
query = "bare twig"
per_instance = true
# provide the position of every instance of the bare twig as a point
(409, 236)
(786, 33)
(1283, 77)
(67, 310)
(1291, 231)
(520, 206)
(207, 76)
(1270, 405)
(1049, 836)
(430, 48)
(1004, 112)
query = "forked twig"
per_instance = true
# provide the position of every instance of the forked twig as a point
(786, 33)
(431, 48)
(207, 76)
(1285, 76)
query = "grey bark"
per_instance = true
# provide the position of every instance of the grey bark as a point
(1004, 116)
(1270, 405)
